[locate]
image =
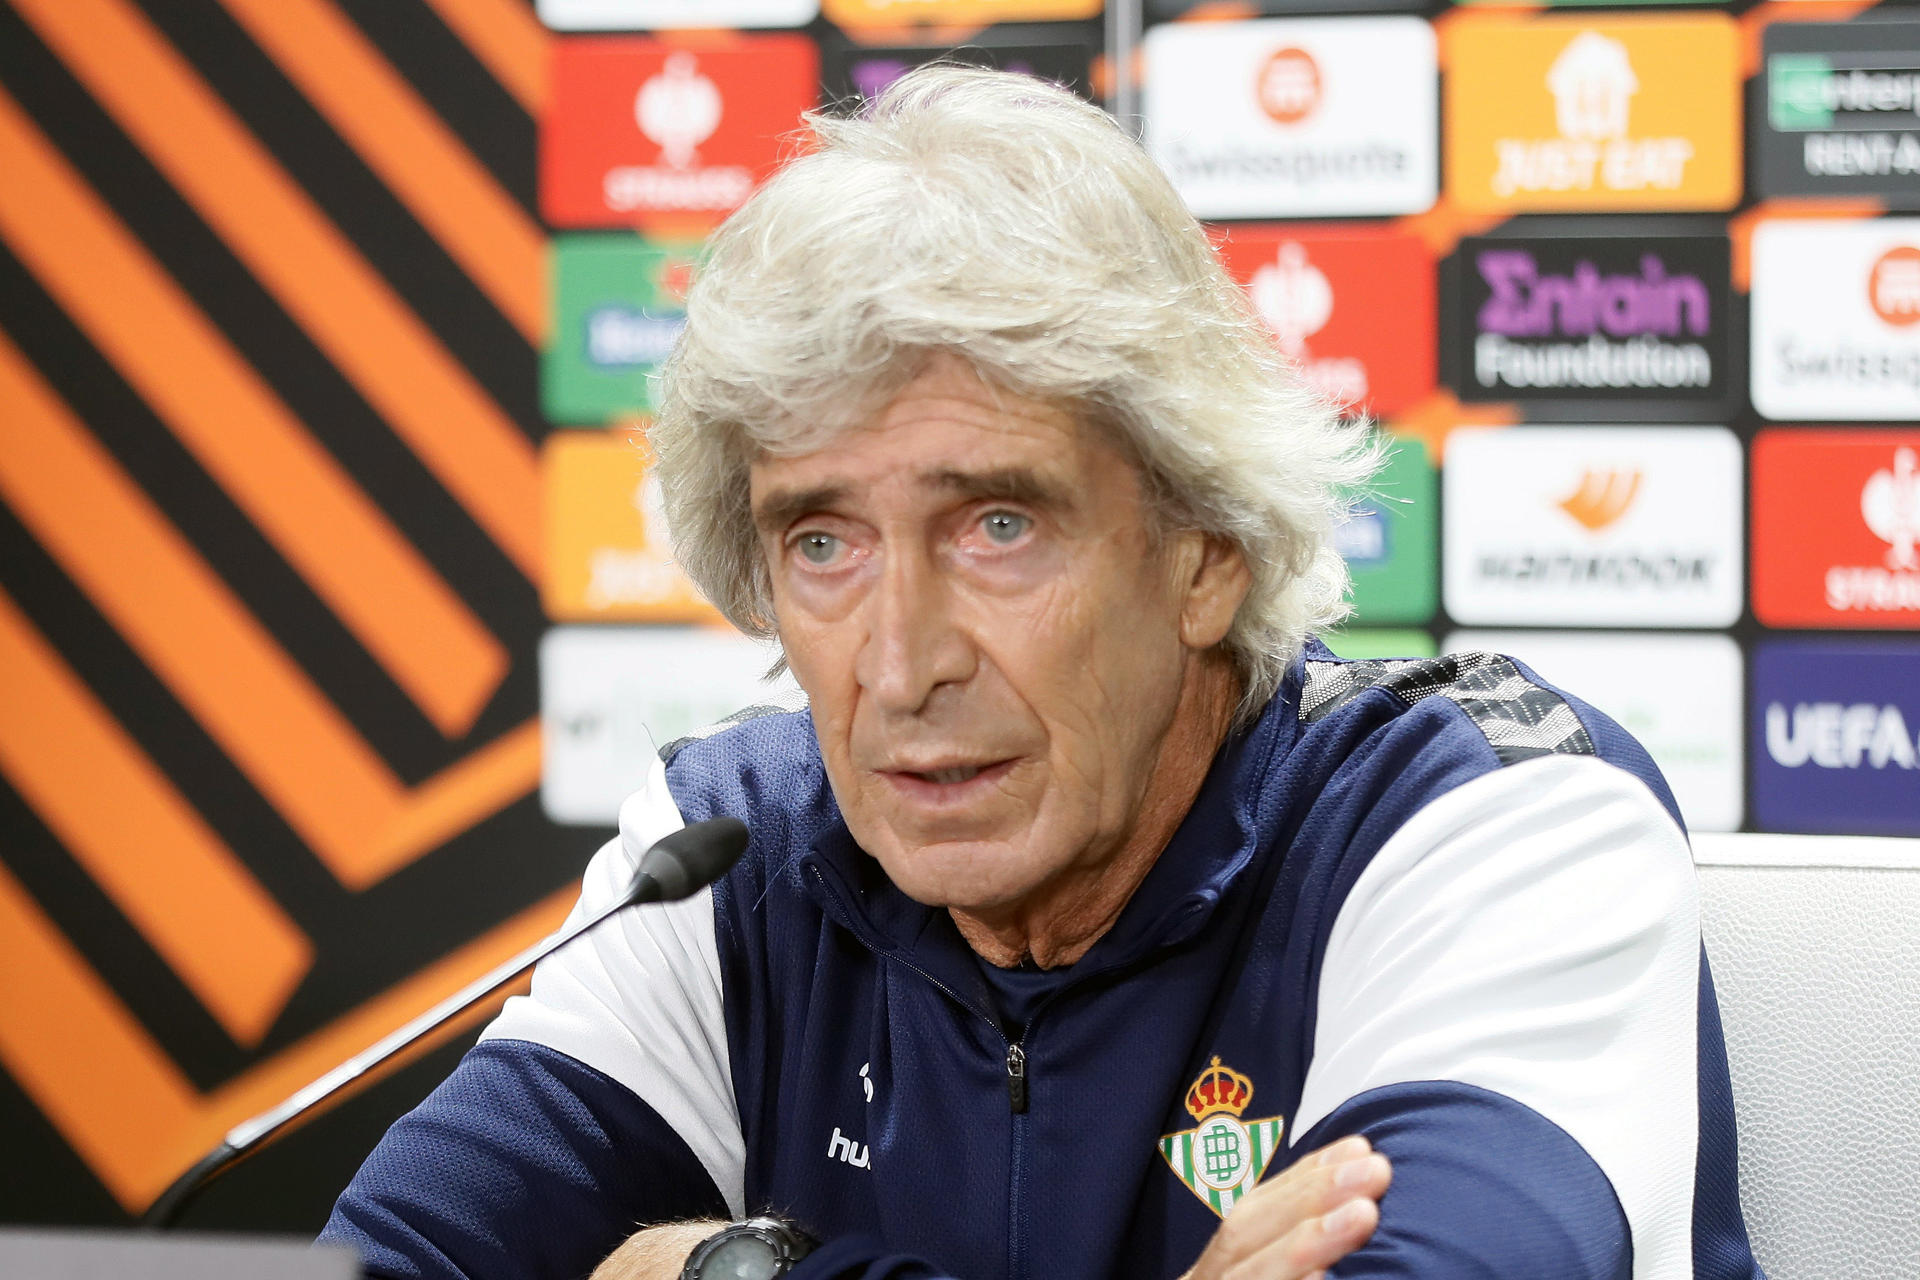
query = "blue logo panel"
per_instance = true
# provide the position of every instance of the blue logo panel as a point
(1836, 737)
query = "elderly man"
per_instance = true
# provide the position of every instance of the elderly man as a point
(1096, 921)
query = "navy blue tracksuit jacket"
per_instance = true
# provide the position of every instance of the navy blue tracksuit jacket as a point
(1435, 902)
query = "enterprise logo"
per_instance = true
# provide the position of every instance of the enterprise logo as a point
(1806, 91)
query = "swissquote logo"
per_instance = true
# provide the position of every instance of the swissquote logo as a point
(1222, 1157)
(1294, 117)
(658, 133)
(1836, 319)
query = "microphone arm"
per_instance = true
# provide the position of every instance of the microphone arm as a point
(678, 865)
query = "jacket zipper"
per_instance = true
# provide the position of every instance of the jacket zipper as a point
(1016, 1063)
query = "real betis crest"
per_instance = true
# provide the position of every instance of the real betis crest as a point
(1222, 1158)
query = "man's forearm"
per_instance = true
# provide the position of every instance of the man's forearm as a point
(656, 1253)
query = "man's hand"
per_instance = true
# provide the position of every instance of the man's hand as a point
(1315, 1213)
(656, 1253)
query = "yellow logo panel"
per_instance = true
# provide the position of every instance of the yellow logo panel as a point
(1574, 115)
(608, 557)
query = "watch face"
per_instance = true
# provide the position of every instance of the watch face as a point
(742, 1257)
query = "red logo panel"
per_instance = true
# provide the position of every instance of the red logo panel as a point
(668, 136)
(1836, 528)
(1355, 306)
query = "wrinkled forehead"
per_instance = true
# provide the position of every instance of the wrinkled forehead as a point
(946, 436)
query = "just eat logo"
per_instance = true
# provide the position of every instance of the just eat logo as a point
(668, 136)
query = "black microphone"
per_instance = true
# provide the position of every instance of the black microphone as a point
(679, 865)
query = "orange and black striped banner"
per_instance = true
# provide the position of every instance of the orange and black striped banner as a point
(271, 287)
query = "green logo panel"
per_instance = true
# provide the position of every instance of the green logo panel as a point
(1797, 91)
(617, 309)
(1390, 543)
(1362, 643)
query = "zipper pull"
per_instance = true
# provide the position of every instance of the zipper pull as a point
(1017, 1079)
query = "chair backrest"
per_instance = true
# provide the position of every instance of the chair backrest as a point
(1815, 948)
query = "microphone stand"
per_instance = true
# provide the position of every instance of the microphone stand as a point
(658, 879)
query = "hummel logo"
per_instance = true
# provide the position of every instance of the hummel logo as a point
(866, 1080)
(847, 1151)
(1602, 498)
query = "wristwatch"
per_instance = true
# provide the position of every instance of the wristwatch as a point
(758, 1248)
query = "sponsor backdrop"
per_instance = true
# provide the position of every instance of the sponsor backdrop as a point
(336, 615)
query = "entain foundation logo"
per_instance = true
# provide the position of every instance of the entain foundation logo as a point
(1629, 113)
(1295, 117)
(667, 136)
(1593, 526)
(1836, 528)
(1354, 306)
(1575, 319)
(1062, 53)
(1836, 319)
(1843, 111)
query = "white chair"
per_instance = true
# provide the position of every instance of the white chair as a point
(1815, 947)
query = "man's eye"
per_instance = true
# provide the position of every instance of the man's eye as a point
(818, 548)
(1005, 527)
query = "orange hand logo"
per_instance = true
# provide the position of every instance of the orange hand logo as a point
(1602, 498)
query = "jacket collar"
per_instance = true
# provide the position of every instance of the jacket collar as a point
(1209, 852)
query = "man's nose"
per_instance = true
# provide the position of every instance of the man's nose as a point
(913, 645)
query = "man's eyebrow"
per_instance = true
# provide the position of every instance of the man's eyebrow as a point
(1006, 484)
(783, 506)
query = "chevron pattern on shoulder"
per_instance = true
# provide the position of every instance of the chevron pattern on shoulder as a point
(1519, 718)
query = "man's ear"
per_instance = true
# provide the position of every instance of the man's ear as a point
(1218, 583)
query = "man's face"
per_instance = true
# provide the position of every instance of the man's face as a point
(991, 640)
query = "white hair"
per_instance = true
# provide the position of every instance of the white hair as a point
(1007, 222)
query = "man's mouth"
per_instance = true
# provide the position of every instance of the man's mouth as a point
(959, 773)
(948, 780)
